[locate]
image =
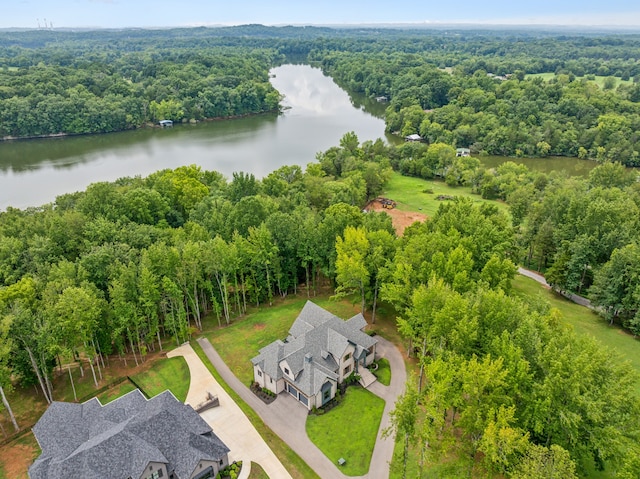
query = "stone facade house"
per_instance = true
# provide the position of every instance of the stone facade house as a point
(129, 438)
(319, 353)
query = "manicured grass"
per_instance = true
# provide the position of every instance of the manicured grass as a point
(584, 321)
(115, 392)
(292, 462)
(408, 193)
(362, 411)
(243, 339)
(168, 373)
(383, 373)
(599, 79)
(545, 76)
(257, 472)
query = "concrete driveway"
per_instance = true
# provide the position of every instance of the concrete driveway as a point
(287, 417)
(227, 420)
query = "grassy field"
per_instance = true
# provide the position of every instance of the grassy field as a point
(584, 321)
(362, 411)
(168, 373)
(292, 462)
(409, 194)
(115, 392)
(599, 79)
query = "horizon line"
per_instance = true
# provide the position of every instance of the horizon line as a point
(421, 24)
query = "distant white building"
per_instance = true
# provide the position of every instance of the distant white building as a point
(414, 137)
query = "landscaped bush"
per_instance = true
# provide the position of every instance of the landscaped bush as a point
(232, 471)
(265, 394)
(351, 379)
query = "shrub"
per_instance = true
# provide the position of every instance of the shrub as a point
(351, 379)
(231, 471)
(268, 392)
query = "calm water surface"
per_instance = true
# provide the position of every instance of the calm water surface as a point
(319, 113)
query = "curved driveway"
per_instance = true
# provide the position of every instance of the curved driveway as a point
(570, 296)
(287, 418)
(227, 420)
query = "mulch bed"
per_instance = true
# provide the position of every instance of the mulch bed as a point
(266, 397)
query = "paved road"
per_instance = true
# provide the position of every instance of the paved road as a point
(228, 421)
(540, 279)
(287, 418)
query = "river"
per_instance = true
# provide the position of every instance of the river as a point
(318, 113)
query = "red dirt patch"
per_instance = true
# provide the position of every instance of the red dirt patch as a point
(259, 326)
(16, 459)
(400, 219)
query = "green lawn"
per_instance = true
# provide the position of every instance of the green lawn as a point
(584, 321)
(408, 193)
(115, 392)
(168, 373)
(383, 373)
(243, 339)
(257, 472)
(599, 79)
(293, 463)
(362, 411)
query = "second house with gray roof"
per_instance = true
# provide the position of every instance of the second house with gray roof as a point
(129, 438)
(319, 353)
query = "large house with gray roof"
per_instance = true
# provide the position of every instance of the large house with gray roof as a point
(129, 438)
(319, 353)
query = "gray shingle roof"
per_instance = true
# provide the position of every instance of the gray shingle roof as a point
(118, 440)
(322, 336)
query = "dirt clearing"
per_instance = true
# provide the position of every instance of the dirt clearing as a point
(400, 219)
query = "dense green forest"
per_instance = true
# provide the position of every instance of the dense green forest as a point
(98, 88)
(462, 87)
(582, 233)
(474, 104)
(115, 268)
(504, 389)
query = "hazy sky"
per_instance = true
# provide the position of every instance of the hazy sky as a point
(159, 13)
